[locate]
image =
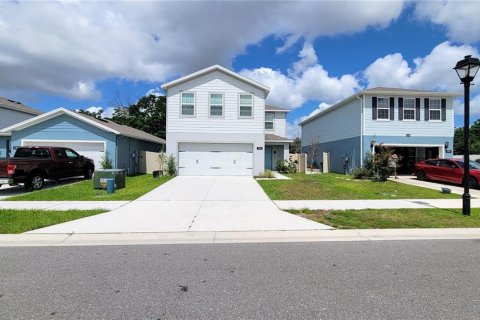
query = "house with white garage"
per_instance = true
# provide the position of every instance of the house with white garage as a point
(89, 136)
(218, 124)
(418, 124)
(12, 112)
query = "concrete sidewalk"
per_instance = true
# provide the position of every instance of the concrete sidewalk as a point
(62, 205)
(373, 204)
(32, 239)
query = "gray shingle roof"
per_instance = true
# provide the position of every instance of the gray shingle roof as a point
(126, 130)
(272, 138)
(17, 106)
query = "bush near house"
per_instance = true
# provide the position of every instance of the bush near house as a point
(377, 167)
(284, 166)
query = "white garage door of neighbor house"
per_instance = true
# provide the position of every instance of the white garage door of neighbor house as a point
(90, 149)
(215, 159)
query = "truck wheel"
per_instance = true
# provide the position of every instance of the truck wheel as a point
(88, 173)
(34, 182)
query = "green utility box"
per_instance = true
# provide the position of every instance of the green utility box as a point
(100, 178)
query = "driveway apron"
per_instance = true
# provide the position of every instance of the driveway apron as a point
(193, 204)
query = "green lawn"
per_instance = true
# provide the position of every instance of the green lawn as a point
(135, 187)
(393, 218)
(18, 221)
(334, 186)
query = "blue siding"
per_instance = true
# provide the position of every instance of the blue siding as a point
(337, 123)
(398, 127)
(409, 141)
(338, 149)
(3, 146)
(65, 127)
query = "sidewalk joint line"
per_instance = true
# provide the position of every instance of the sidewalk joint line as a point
(201, 206)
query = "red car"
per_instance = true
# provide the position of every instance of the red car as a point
(447, 170)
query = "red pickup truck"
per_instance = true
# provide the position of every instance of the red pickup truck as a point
(31, 166)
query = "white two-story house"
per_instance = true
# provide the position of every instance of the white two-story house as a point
(417, 124)
(218, 124)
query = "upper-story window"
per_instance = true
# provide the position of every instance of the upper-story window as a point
(216, 104)
(408, 109)
(188, 104)
(269, 117)
(246, 105)
(435, 109)
(383, 109)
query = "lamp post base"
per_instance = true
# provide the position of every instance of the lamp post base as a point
(466, 204)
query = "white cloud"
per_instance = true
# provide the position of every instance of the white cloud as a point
(433, 72)
(65, 48)
(306, 80)
(107, 113)
(156, 92)
(458, 107)
(460, 17)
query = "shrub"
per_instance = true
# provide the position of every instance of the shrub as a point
(284, 166)
(376, 167)
(171, 167)
(106, 162)
(266, 174)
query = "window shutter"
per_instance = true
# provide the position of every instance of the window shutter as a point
(427, 109)
(374, 108)
(400, 108)
(417, 108)
(392, 108)
(444, 109)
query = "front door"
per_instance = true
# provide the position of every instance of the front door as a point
(268, 158)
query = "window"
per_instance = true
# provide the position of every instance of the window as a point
(71, 154)
(188, 104)
(269, 116)
(408, 109)
(60, 153)
(32, 153)
(246, 105)
(216, 104)
(383, 109)
(435, 110)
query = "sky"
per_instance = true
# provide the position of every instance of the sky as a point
(91, 55)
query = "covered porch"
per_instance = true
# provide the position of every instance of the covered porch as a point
(276, 148)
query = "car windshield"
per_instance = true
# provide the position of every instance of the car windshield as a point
(473, 165)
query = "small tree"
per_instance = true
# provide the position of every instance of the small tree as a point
(171, 167)
(381, 164)
(296, 146)
(162, 157)
(106, 162)
(314, 145)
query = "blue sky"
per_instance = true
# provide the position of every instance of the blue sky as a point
(311, 54)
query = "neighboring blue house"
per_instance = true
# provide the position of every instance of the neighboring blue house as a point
(12, 112)
(87, 135)
(417, 124)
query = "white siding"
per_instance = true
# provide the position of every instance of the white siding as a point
(227, 129)
(414, 128)
(341, 123)
(215, 82)
(280, 125)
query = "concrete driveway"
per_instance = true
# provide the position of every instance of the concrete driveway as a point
(412, 180)
(193, 204)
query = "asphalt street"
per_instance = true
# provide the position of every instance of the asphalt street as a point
(435, 279)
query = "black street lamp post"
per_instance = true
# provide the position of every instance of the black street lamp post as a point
(466, 70)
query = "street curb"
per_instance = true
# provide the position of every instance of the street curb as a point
(42, 240)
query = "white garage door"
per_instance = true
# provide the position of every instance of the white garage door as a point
(90, 149)
(215, 159)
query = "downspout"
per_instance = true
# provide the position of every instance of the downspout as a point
(361, 128)
(116, 151)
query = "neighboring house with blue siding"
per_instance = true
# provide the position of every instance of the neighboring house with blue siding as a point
(418, 124)
(87, 135)
(12, 112)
